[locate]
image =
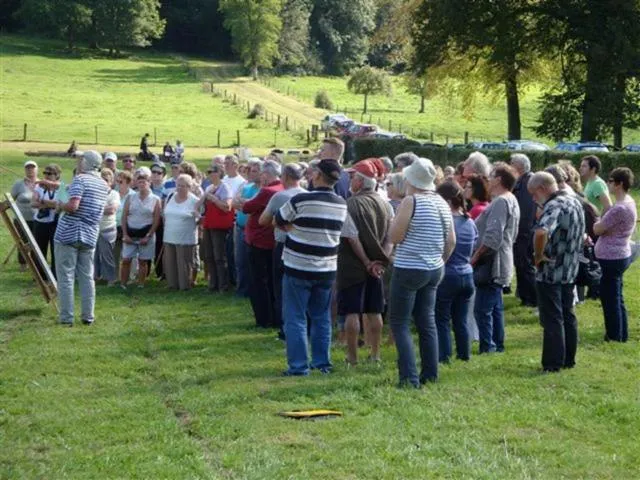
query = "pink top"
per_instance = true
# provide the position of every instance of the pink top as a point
(477, 209)
(619, 221)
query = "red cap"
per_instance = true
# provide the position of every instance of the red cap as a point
(379, 165)
(366, 168)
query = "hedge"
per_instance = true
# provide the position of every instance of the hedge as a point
(373, 147)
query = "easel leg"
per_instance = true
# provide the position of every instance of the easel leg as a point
(13, 250)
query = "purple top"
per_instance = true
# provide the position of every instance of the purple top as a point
(619, 221)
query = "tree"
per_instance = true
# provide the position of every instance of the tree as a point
(369, 81)
(341, 30)
(66, 19)
(255, 27)
(598, 44)
(293, 45)
(195, 26)
(122, 23)
(496, 31)
(391, 40)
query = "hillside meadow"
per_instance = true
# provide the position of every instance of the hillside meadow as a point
(180, 385)
(63, 97)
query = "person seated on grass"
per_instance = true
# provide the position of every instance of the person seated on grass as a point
(145, 153)
(71, 151)
(179, 150)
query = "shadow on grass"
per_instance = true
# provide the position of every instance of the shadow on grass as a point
(10, 314)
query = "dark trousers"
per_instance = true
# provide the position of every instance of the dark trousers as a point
(230, 253)
(560, 337)
(612, 299)
(261, 290)
(44, 233)
(278, 273)
(525, 271)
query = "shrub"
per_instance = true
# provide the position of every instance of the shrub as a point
(323, 101)
(257, 111)
(373, 147)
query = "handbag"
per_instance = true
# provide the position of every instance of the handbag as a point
(483, 270)
(589, 271)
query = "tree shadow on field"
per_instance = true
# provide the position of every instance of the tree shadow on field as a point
(166, 74)
(11, 314)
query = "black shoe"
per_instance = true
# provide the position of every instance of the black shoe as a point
(87, 322)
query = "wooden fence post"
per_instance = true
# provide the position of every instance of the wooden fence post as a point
(96, 130)
(389, 125)
(286, 123)
(238, 135)
(218, 138)
(278, 120)
(431, 136)
(466, 137)
(155, 136)
(308, 137)
(24, 133)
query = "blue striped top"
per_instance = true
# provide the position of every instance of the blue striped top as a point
(83, 225)
(311, 248)
(423, 244)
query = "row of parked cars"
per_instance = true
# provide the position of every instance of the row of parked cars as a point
(340, 125)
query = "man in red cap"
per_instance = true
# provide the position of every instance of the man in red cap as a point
(360, 289)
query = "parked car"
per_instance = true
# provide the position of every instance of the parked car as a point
(487, 146)
(341, 127)
(389, 135)
(361, 130)
(332, 119)
(582, 147)
(431, 144)
(634, 147)
(527, 145)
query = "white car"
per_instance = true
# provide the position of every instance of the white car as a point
(527, 145)
(331, 120)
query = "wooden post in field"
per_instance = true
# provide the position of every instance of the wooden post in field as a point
(412, 131)
(211, 83)
(466, 137)
(96, 130)
(234, 98)
(389, 125)
(278, 120)
(400, 128)
(24, 133)
(275, 137)
(286, 123)
(155, 136)
(218, 138)
(361, 117)
(446, 142)
(238, 135)
(308, 137)
(431, 136)
(248, 107)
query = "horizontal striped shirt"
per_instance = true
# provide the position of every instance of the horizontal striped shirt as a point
(311, 247)
(83, 225)
(423, 244)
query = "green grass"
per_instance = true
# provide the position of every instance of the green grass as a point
(443, 115)
(178, 385)
(63, 97)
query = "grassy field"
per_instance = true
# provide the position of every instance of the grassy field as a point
(179, 385)
(64, 97)
(443, 115)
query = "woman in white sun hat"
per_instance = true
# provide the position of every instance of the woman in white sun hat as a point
(423, 232)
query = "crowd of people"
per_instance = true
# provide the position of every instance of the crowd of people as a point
(316, 245)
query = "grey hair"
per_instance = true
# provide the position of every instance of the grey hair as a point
(254, 161)
(233, 158)
(542, 179)
(368, 183)
(293, 170)
(522, 160)
(558, 174)
(387, 163)
(271, 167)
(406, 158)
(479, 163)
(143, 171)
(398, 183)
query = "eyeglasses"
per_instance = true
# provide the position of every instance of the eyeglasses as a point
(129, 161)
(49, 172)
(213, 171)
(156, 171)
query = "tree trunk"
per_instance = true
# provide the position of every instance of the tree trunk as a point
(618, 109)
(421, 104)
(589, 128)
(513, 106)
(254, 72)
(366, 95)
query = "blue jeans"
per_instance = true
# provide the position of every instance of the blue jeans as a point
(612, 299)
(300, 298)
(489, 312)
(452, 305)
(413, 292)
(75, 262)
(241, 263)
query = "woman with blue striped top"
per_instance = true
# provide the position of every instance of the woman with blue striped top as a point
(424, 234)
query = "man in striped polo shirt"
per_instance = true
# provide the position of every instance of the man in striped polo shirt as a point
(314, 221)
(76, 237)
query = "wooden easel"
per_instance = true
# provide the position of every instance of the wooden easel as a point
(28, 248)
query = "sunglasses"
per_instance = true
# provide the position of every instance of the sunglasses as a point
(49, 172)
(129, 161)
(156, 171)
(213, 171)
